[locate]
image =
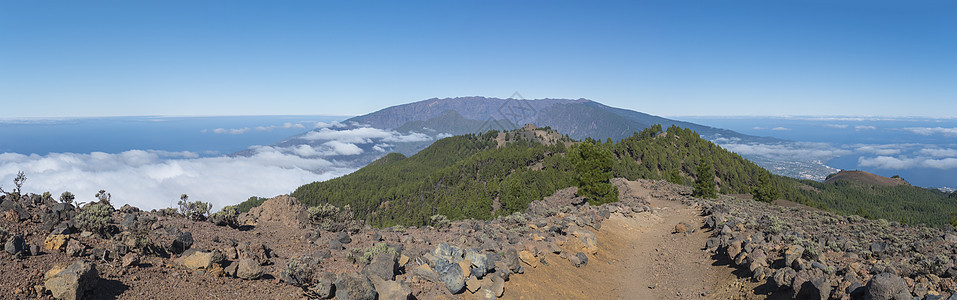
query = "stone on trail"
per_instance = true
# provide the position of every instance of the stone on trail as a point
(512, 261)
(528, 258)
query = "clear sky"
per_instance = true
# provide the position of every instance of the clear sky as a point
(835, 57)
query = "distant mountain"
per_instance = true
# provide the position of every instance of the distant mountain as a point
(409, 128)
(578, 119)
(865, 178)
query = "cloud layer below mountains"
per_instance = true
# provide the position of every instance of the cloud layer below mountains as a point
(155, 179)
(148, 179)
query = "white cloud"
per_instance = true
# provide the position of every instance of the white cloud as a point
(836, 126)
(903, 162)
(888, 162)
(889, 149)
(944, 164)
(231, 131)
(148, 180)
(932, 130)
(757, 128)
(864, 127)
(365, 135)
(939, 152)
(286, 125)
(780, 129)
(333, 124)
(340, 148)
(786, 151)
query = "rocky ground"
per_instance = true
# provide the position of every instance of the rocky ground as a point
(657, 243)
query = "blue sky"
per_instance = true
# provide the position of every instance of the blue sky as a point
(109, 58)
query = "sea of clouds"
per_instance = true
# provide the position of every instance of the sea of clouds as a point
(151, 179)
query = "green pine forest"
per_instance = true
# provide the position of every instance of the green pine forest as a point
(476, 176)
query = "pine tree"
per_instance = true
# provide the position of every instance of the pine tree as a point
(704, 185)
(593, 164)
(765, 191)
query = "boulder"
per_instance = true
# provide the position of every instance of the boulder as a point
(734, 248)
(886, 286)
(451, 275)
(248, 269)
(498, 286)
(479, 262)
(473, 284)
(355, 286)
(324, 285)
(793, 253)
(817, 288)
(130, 259)
(585, 240)
(681, 228)
(16, 245)
(196, 259)
(183, 241)
(390, 290)
(528, 258)
(426, 272)
(343, 237)
(75, 248)
(283, 209)
(512, 261)
(73, 281)
(382, 265)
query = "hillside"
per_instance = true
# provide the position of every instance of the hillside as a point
(468, 176)
(865, 178)
(479, 176)
(499, 173)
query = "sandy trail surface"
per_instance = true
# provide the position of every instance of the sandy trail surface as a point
(639, 257)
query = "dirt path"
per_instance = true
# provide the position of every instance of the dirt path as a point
(638, 258)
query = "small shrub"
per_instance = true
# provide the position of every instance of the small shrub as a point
(196, 210)
(225, 217)
(440, 222)
(377, 249)
(95, 217)
(67, 197)
(329, 217)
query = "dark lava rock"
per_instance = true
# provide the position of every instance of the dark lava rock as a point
(512, 261)
(383, 265)
(886, 286)
(183, 241)
(355, 286)
(16, 245)
(451, 275)
(343, 237)
(818, 288)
